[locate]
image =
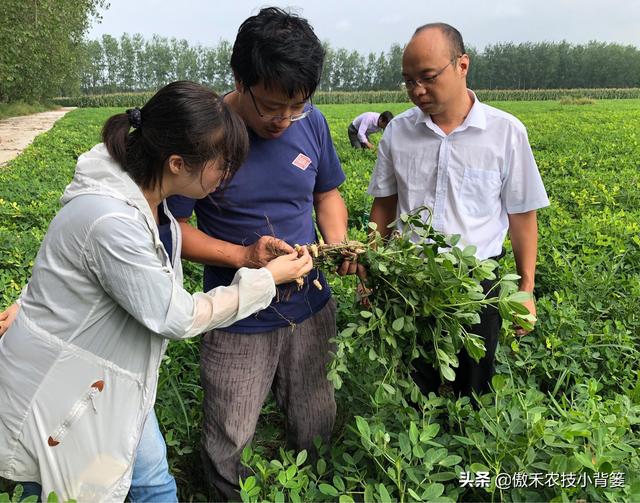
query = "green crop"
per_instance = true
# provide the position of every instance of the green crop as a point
(566, 398)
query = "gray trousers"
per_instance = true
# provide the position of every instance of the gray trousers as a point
(237, 370)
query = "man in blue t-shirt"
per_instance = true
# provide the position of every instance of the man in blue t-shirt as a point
(292, 169)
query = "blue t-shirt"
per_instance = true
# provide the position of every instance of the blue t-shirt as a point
(272, 195)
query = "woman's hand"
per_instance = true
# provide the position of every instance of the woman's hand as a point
(7, 316)
(291, 266)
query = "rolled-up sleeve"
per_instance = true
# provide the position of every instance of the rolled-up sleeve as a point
(383, 179)
(522, 187)
(120, 252)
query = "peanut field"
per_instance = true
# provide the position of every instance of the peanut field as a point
(563, 420)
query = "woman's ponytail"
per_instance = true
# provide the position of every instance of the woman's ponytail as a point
(115, 136)
(183, 118)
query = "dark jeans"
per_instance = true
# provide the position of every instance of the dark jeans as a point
(470, 376)
(353, 137)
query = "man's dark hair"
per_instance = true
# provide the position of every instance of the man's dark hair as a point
(452, 35)
(280, 50)
(386, 116)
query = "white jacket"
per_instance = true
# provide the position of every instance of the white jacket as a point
(79, 366)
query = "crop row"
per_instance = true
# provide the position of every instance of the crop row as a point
(399, 96)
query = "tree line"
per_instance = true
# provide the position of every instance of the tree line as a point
(44, 53)
(132, 63)
(41, 42)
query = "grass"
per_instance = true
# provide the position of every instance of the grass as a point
(18, 108)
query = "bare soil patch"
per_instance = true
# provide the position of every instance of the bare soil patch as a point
(16, 133)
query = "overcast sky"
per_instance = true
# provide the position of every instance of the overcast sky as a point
(376, 24)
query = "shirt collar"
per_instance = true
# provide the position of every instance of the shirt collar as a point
(475, 118)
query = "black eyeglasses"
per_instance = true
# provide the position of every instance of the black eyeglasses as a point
(278, 118)
(423, 82)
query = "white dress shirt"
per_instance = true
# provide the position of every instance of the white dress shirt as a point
(471, 178)
(366, 124)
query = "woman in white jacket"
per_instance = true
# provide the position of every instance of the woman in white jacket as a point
(79, 364)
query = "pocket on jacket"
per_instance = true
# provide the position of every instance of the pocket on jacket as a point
(83, 427)
(83, 404)
(480, 191)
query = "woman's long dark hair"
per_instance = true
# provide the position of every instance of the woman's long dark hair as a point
(183, 118)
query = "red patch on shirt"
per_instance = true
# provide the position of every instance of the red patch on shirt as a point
(302, 162)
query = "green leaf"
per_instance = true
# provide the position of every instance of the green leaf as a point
(348, 332)
(414, 435)
(345, 498)
(450, 460)
(498, 382)
(398, 324)
(248, 483)
(384, 494)
(301, 458)
(479, 467)
(327, 489)
(510, 277)
(464, 440)
(432, 492)
(418, 451)
(369, 492)
(291, 471)
(429, 432)
(469, 251)
(363, 427)
(443, 358)
(447, 373)
(366, 314)
(414, 495)
(443, 476)
(52, 497)
(584, 459)
(518, 308)
(405, 444)
(520, 297)
(338, 483)
(454, 239)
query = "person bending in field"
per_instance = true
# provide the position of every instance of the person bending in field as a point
(79, 362)
(291, 171)
(365, 125)
(472, 165)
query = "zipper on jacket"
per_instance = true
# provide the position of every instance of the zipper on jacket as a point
(76, 413)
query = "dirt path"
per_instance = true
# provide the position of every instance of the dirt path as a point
(16, 133)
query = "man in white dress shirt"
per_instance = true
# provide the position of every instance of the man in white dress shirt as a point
(472, 165)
